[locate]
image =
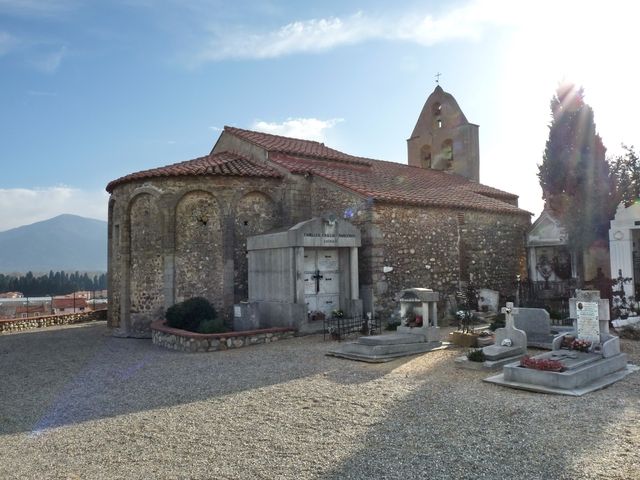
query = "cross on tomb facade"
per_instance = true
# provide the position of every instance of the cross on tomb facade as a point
(509, 311)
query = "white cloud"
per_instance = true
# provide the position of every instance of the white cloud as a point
(41, 93)
(50, 62)
(36, 7)
(316, 35)
(306, 128)
(7, 43)
(22, 206)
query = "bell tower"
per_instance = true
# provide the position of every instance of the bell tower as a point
(443, 139)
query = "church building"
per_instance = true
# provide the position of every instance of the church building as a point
(287, 228)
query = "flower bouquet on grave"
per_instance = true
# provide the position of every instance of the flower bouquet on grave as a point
(567, 340)
(545, 364)
(580, 345)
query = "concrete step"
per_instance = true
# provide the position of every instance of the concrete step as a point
(392, 339)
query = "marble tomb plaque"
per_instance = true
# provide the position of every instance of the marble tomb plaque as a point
(588, 321)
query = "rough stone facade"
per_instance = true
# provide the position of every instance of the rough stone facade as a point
(21, 324)
(176, 238)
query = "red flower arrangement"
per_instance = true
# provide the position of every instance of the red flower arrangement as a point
(580, 345)
(542, 364)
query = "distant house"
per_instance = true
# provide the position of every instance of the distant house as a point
(24, 311)
(62, 305)
(11, 295)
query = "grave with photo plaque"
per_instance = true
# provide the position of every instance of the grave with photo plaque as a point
(590, 356)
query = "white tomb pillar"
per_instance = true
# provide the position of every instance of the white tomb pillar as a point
(433, 317)
(627, 220)
(353, 273)
(620, 247)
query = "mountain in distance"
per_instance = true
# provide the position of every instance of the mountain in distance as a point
(66, 242)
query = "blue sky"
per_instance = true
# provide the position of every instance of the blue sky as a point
(93, 90)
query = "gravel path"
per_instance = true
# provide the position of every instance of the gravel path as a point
(76, 403)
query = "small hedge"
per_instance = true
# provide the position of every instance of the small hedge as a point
(194, 315)
(498, 322)
(476, 355)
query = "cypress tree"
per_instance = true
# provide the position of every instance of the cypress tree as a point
(577, 185)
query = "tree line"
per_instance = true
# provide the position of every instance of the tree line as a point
(55, 283)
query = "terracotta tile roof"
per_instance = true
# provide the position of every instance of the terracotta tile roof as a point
(376, 179)
(295, 146)
(399, 183)
(224, 163)
(66, 302)
(30, 309)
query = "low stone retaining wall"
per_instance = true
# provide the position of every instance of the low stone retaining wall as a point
(20, 324)
(176, 339)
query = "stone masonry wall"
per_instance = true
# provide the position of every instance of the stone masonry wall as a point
(421, 246)
(254, 213)
(495, 247)
(184, 341)
(146, 278)
(21, 324)
(327, 199)
(199, 261)
(426, 247)
(174, 238)
(171, 254)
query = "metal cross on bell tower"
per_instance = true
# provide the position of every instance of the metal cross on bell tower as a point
(438, 77)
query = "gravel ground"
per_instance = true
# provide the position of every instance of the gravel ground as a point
(76, 403)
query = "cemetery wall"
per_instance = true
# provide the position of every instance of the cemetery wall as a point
(20, 324)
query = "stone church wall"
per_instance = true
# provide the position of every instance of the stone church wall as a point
(435, 248)
(175, 238)
(495, 249)
(421, 246)
(426, 247)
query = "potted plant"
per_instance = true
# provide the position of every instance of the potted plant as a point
(464, 336)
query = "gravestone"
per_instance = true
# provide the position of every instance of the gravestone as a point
(510, 341)
(490, 299)
(510, 345)
(582, 371)
(537, 324)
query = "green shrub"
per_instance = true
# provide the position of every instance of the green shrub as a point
(629, 332)
(212, 326)
(476, 355)
(498, 322)
(392, 326)
(190, 314)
